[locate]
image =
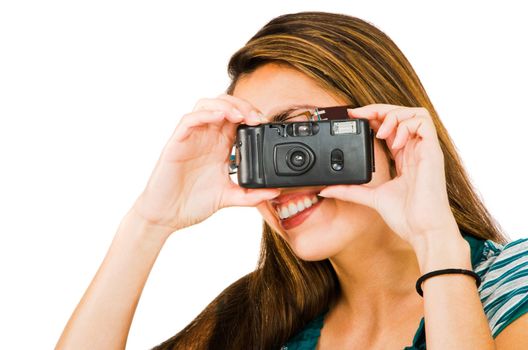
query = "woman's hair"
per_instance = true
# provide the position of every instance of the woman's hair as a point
(357, 62)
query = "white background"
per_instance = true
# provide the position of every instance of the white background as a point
(90, 92)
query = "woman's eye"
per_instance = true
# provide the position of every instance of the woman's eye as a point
(299, 117)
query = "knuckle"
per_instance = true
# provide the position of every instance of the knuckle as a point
(224, 104)
(422, 110)
(186, 118)
(212, 104)
(394, 116)
(200, 104)
(196, 106)
(398, 113)
(194, 115)
(227, 97)
(187, 115)
(424, 118)
(239, 103)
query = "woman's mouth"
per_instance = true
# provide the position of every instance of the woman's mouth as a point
(294, 209)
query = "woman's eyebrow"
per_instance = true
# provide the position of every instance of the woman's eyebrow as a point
(287, 110)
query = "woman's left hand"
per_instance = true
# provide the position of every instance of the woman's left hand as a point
(414, 204)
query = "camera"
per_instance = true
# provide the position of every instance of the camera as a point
(328, 151)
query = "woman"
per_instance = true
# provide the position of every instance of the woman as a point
(339, 264)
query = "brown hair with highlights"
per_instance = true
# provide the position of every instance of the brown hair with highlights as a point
(360, 64)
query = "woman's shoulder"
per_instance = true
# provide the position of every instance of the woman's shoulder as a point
(493, 252)
(503, 269)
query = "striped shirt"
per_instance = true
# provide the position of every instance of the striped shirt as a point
(503, 270)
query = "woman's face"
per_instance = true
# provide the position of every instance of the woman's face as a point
(316, 228)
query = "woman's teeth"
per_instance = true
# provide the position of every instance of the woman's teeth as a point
(296, 206)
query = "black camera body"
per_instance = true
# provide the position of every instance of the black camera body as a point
(307, 153)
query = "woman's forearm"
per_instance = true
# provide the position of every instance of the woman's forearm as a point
(454, 315)
(103, 317)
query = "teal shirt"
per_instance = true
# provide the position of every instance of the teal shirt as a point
(503, 292)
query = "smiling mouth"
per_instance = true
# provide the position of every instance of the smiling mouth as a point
(295, 206)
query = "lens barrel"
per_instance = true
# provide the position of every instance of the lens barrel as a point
(298, 159)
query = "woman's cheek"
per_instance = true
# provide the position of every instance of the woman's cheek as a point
(272, 220)
(267, 215)
(264, 210)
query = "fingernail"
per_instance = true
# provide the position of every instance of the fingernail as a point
(380, 132)
(238, 113)
(353, 110)
(257, 116)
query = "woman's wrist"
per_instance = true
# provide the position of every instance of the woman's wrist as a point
(137, 227)
(442, 249)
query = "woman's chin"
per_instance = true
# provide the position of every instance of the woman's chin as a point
(310, 255)
(310, 246)
(308, 235)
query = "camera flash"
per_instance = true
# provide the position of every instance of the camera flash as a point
(347, 127)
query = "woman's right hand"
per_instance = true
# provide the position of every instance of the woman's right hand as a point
(191, 179)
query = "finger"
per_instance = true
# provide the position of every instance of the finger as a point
(234, 114)
(393, 118)
(389, 141)
(374, 124)
(374, 111)
(419, 126)
(352, 193)
(244, 106)
(195, 119)
(410, 158)
(402, 135)
(246, 197)
(375, 116)
(378, 112)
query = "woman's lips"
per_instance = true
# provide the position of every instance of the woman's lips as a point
(299, 218)
(286, 197)
(294, 208)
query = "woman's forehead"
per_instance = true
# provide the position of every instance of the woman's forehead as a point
(275, 91)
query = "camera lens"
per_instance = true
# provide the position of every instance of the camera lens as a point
(293, 158)
(298, 158)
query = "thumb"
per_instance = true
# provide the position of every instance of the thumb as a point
(351, 193)
(246, 197)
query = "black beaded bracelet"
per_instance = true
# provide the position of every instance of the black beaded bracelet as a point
(441, 272)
